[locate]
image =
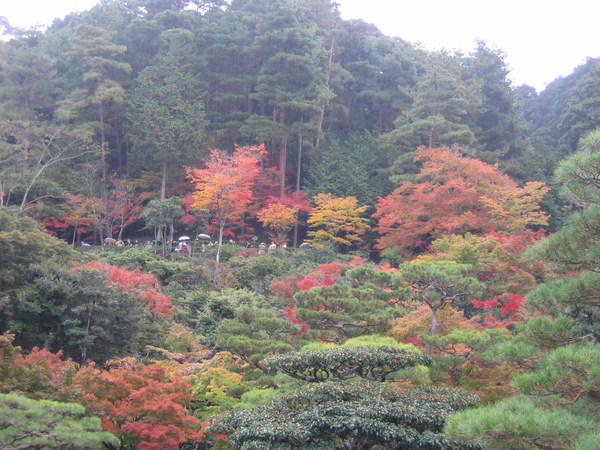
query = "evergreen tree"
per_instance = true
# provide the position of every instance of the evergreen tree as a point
(92, 47)
(27, 423)
(291, 88)
(75, 309)
(498, 126)
(349, 165)
(573, 251)
(166, 109)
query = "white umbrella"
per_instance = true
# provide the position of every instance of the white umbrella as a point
(184, 238)
(203, 236)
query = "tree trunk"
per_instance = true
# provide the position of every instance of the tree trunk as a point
(74, 234)
(26, 143)
(219, 246)
(163, 181)
(84, 346)
(282, 156)
(431, 138)
(119, 148)
(102, 148)
(171, 230)
(434, 322)
(221, 231)
(322, 112)
(298, 175)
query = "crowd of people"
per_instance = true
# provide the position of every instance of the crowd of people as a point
(182, 245)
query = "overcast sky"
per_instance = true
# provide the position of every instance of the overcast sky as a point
(542, 39)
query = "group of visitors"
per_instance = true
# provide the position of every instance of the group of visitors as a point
(183, 246)
(120, 242)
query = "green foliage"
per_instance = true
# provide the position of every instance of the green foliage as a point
(205, 310)
(23, 243)
(343, 363)
(166, 109)
(26, 423)
(579, 171)
(216, 389)
(375, 340)
(440, 279)
(458, 356)
(576, 247)
(498, 125)
(548, 333)
(518, 423)
(580, 115)
(347, 415)
(476, 340)
(568, 372)
(559, 408)
(438, 283)
(257, 397)
(258, 272)
(182, 275)
(255, 334)
(443, 99)
(60, 307)
(349, 166)
(416, 375)
(361, 276)
(339, 312)
(161, 215)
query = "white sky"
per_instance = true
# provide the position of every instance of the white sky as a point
(542, 39)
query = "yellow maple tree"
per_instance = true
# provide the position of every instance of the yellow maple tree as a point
(336, 220)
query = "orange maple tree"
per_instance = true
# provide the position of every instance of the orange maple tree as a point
(224, 186)
(279, 218)
(454, 194)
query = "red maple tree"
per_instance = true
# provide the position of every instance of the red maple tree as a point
(136, 282)
(144, 406)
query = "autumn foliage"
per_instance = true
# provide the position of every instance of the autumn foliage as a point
(455, 194)
(40, 374)
(145, 406)
(136, 282)
(224, 185)
(336, 220)
(279, 218)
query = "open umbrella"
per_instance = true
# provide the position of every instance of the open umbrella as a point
(204, 237)
(184, 238)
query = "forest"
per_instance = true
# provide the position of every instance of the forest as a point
(250, 224)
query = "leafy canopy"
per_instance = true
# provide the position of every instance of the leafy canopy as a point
(454, 194)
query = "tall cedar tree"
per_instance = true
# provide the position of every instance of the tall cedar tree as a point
(92, 47)
(166, 109)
